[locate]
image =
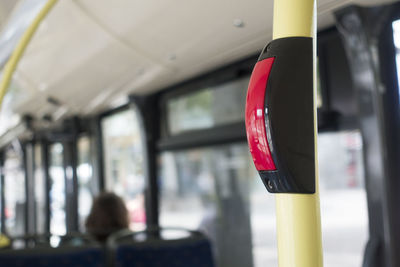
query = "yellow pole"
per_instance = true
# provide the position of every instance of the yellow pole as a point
(12, 63)
(298, 215)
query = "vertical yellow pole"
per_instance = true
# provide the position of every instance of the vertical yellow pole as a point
(298, 215)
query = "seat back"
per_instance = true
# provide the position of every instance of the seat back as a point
(157, 251)
(59, 257)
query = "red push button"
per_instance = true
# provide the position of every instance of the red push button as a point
(255, 116)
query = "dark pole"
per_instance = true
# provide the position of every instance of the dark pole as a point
(148, 116)
(30, 181)
(71, 178)
(368, 38)
(97, 152)
(46, 174)
(2, 200)
(28, 161)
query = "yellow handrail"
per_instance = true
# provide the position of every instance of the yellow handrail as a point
(298, 215)
(19, 50)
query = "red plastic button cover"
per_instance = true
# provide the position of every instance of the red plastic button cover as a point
(255, 116)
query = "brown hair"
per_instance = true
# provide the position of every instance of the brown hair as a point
(108, 214)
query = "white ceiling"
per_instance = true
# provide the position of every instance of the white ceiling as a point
(90, 54)
(6, 7)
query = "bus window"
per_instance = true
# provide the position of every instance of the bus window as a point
(216, 190)
(396, 38)
(57, 191)
(123, 159)
(87, 186)
(210, 107)
(40, 191)
(344, 214)
(14, 190)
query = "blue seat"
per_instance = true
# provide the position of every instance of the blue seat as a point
(191, 251)
(58, 257)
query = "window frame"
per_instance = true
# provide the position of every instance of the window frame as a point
(215, 135)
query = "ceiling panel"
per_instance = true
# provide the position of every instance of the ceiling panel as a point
(182, 30)
(76, 63)
(88, 53)
(6, 9)
(65, 40)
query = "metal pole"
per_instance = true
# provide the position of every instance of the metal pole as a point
(298, 215)
(30, 215)
(368, 37)
(148, 119)
(46, 173)
(19, 50)
(2, 197)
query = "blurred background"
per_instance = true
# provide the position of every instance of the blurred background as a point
(146, 99)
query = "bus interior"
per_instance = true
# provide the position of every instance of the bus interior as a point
(146, 99)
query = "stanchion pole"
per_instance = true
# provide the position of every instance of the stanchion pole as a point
(281, 125)
(298, 215)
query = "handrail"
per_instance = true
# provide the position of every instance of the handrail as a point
(12, 63)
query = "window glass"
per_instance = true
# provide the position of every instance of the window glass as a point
(14, 191)
(40, 191)
(344, 213)
(57, 191)
(87, 185)
(209, 107)
(396, 38)
(123, 154)
(216, 190)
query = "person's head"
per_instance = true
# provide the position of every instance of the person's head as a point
(108, 214)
